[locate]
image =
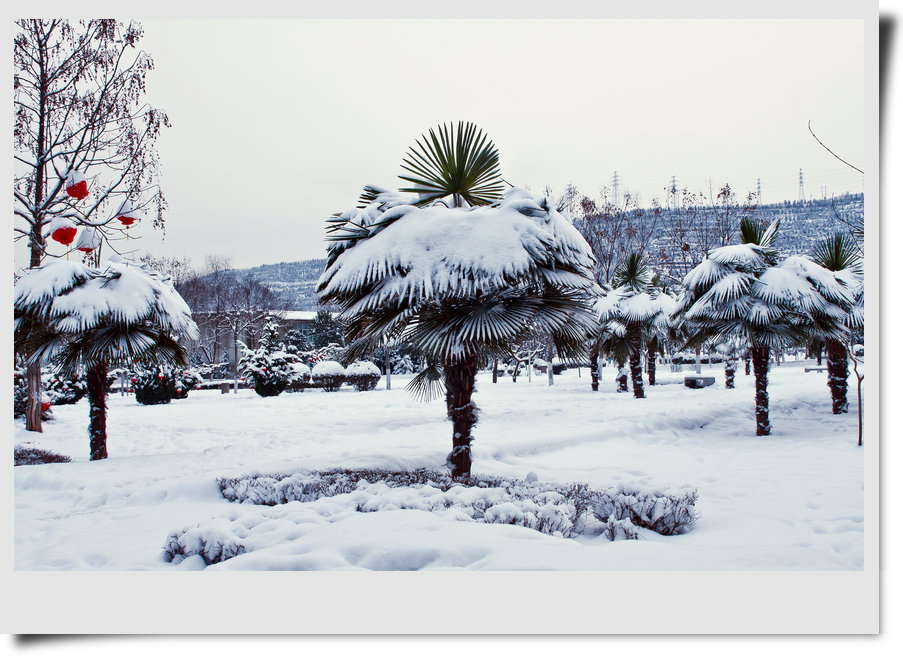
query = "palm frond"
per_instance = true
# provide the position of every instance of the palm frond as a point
(429, 384)
(459, 163)
(837, 252)
(633, 272)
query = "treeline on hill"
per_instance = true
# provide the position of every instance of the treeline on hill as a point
(677, 232)
(674, 234)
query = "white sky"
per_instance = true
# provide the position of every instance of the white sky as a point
(278, 124)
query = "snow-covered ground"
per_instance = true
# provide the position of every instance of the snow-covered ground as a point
(790, 501)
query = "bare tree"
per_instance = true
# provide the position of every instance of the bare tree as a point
(78, 111)
(614, 230)
(229, 309)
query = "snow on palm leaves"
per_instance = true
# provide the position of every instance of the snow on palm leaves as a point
(747, 291)
(76, 315)
(458, 279)
(631, 313)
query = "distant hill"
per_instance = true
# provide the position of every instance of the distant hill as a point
(296, 282)
(802, 223)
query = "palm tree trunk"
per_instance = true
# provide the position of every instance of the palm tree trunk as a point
(97, 397)
(551, 356)
(460, 379)
(636, 368)
(730, 367)
(594, 369)
(838, 372)
(650, 361)
(33, 400)
(760, 356)
(622, 376)
(495, 370)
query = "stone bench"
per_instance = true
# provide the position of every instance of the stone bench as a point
(698, 381)
(816, 368)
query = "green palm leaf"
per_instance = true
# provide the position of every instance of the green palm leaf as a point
(836, 253)
(460, 163)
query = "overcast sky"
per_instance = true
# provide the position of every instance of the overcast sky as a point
(278, 124)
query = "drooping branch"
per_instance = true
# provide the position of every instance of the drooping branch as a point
(831, 152)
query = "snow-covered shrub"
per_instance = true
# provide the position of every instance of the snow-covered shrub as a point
(300, 376)
(154, 385)
(186, 380)
(403, 364)
(30, 455)
(20, 390)
(214, 543)
(363, 375)
(665, 512)
(268, 369)
(327, 374)
(60, 390)
(330, 352)
(619, 529)
(218, 371)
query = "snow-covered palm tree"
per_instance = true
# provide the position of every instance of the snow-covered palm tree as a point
(660, 330)
(626, 314)
(747, 291)
(457, 270)
(841, 255)
(89, 318)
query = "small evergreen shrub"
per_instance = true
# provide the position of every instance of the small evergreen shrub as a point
(154, 385)
(300, 377)
(328, 375)
(268, 368)
(60, 390)
(363, 376)
(20, 391)
(186, 381)
(29, 455)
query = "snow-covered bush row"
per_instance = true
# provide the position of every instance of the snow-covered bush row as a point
(31, 455)
(315, 498)
(327, 374)
(665, 512)
(362, 375)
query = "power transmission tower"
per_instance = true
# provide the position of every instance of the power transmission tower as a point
(758, 191)
(616, 188)
(802, 193)
(673, 195)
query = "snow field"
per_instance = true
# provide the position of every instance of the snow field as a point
(793, 500)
